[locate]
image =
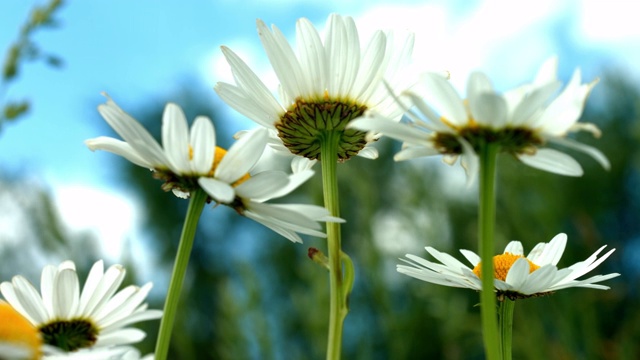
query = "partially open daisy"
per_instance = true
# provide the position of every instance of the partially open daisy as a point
(187, 156)
(19, 339)
(520, 121)
(516, 276)
(322, 87)
(71, 318)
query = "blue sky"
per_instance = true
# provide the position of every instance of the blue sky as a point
(138, 51)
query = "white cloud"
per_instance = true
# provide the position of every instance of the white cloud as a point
(111, 216)
(609, 21)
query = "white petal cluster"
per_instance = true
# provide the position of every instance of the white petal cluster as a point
(337, 69)
(519, 279)
(286, 219)
(98, 301)
(536, 108)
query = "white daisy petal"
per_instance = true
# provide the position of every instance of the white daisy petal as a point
(589, 150)
(514, 247)
(489, 109)
(553, 161)
(518, 273)
(263, 184)
(412, 152)
(203, 144)
(66, 297)
(218, 190)
(120, 148)
(443, 98)
(242, 156)
(175, 137)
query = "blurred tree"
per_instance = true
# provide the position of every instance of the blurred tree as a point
(25, 49)
(32, 231)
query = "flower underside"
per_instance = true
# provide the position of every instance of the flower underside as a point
(515, 140)
(304, 126)
(69, 335)
(186, 183)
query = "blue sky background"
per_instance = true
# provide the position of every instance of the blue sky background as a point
(138, 51)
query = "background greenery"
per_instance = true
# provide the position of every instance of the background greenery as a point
(251, 294)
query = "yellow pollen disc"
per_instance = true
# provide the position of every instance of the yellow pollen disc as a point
(17, 331)
(190, 153)
(502, 263)
(220, 153)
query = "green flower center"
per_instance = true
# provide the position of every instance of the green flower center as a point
(305, 124)
(516, 140)
(69, 335)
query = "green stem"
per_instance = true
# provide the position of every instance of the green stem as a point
(487, 216)
(506, 327)
(196, 204)
(338, 294)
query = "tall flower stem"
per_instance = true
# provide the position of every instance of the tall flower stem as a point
(196, 204)
(339, 282)
(506, 327)
(487, 216)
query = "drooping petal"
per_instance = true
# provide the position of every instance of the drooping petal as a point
(553, 161)
(120, 148)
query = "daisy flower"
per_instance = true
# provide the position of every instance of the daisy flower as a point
(71, 318)
(323, 86)
(516, 276)
(521, 121)
(188, 154)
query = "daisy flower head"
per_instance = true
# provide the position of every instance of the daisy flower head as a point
(187, 155)
(516, 276)
(71, 318)
(520, 121)
(323, 85)
(285, 219)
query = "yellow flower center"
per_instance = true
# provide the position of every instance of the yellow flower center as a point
(502, 263)
(17, 331)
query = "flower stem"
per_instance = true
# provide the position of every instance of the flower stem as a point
(196, 204)
(506, 327)
(487, 214)
(338, 293)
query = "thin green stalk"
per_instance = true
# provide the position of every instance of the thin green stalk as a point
(196, 204)
(506, 327)
(487, 216)
(338, 294)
